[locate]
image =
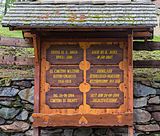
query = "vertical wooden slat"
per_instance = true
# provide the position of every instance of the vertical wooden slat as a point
(130, 78)
(37, 63)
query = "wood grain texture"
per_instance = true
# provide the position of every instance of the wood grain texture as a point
(15, 42)
(24, 61)
(19, 42)
(104, 120)
(37, 78)
(37, 63)
(85, 110)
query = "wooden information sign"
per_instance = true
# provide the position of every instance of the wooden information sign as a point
(85, 84)
(64, 98)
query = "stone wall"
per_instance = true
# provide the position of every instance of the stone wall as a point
(16, 107)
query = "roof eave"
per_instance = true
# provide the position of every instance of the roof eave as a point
(77, 28)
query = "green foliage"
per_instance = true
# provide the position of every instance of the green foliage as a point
(5, 81)
(146, 55)
(5, 32)
(156, 38)
(147, 74)
(25, 52)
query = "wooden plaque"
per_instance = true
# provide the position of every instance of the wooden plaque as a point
(105, 98)
(64, 98)
(105, 75)
(85, 84)
(64, 54)
(64, 76)
(104, 54)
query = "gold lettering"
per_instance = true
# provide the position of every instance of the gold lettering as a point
(65, 71)
(55, 52)
(65, 81)
(73, 52)
(104, 71)
(62, 52)
(104, 75)
(59, 70)
(113, 52)
(69, 57)
(102, 57)
(72, 100)
(63, 98)
(92, 81)
(71, 95)
(59, 57)
(73, 71)
(108, 100)
(64, 76)
(56, 100)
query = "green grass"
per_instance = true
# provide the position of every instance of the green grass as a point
(156, 39)
(5, 32)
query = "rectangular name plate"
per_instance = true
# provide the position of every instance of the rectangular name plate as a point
(105, 98)
(103, 54)
(64, 76)
(104, 76)
(64, 98)
(64, 54)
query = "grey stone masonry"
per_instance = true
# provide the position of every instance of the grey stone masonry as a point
(16, 108)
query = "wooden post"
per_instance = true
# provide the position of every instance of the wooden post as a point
(130, 77)
(36, 44)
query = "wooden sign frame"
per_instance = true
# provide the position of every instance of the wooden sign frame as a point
(85, 115)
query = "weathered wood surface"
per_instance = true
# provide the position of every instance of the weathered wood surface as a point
(67, 100)
(87, 120)
(16, 60)
(20, 61)
(24, 61)
(146, 64)
(15, 42)
(148, 46)
(16, 73)
(19, 42)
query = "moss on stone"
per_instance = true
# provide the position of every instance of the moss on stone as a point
(146, 55)
(147, 74)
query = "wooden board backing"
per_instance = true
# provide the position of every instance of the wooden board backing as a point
(86, 113)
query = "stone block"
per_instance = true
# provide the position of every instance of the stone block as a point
(142, 90)
(140, 102)
(8, 113)
(154, 100)
(27, 95)
(141, 116)
(17, 126)
(156, 116)
(148, 128)
(8, 91)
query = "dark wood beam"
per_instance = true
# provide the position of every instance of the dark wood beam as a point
(146, 64)
(148, 46)
(23, 61)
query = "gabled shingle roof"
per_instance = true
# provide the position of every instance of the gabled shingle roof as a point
(33, 14)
